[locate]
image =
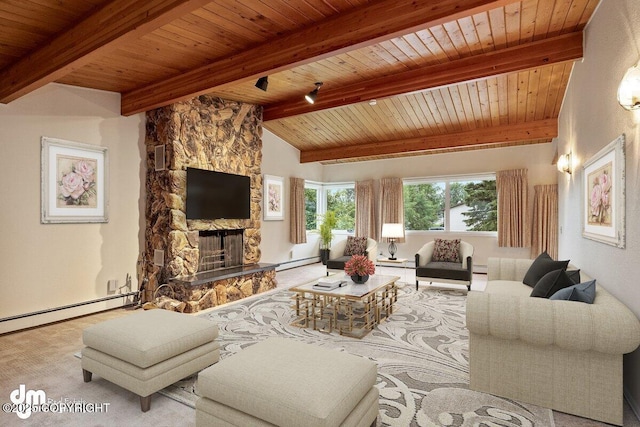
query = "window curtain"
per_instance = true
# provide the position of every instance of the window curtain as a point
(366, 210)
(392, 202)
(545, 220)
(298, 222)
(513, 222)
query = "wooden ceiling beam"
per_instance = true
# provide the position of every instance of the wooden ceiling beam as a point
(567, 47)
(540, 129)
(111, 25)
(363, 26)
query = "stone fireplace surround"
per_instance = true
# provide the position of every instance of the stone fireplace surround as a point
(213, 134)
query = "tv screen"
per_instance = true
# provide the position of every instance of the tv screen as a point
(217, 195)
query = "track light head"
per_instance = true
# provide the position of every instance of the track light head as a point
(311, 96)
(262, 83)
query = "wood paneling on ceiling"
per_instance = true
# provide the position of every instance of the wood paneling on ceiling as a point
(445, 74)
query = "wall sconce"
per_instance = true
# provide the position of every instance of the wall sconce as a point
(262, 83)
(311, 96)
(564, 163)
(392, 231)
(629, 89)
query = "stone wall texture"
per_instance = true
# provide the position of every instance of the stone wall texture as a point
(206, 133)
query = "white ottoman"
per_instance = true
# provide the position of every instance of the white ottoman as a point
(287, 383)
(149, 350)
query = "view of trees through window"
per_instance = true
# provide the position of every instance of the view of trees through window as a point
(311, 207)
(472, 205)
(342, 201)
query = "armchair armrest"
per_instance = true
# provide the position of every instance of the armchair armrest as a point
(372, 250)
(425, 254)
(337, 249)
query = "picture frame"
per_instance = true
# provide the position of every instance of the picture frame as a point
(74, 182)
(603, 180)
(273, 198)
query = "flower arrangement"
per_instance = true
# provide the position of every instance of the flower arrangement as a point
(359, 265)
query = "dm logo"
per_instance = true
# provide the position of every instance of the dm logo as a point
(26, 399)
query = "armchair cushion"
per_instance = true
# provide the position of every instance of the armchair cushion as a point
(446, 250)
(443, 270)
(355, 246)
(338, 263)
(541, 266)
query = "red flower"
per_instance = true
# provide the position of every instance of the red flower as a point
(359, 265)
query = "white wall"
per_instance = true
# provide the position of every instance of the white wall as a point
(51, 265)
(281, 159)
(591, 118)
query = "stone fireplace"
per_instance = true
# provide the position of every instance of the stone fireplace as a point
(206, 133)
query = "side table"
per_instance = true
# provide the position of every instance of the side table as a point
(403, 261)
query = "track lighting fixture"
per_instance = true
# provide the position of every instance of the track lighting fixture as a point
(311, 96)
(262, 83)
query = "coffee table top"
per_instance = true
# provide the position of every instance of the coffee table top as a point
(351, 289)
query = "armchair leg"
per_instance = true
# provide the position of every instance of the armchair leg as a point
(416, 285)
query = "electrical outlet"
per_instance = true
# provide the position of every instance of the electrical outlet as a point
(158, 257)
(113, 285)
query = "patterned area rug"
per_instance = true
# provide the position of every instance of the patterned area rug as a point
(421, 352)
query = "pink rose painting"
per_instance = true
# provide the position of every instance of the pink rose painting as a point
(600, 196)
(76, 178)
(274, 198)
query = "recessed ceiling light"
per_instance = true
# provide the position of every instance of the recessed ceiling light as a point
(373, 102)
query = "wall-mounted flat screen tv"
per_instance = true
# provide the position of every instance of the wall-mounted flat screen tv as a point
(217, 195)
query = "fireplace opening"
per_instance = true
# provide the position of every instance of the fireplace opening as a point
(220, 249)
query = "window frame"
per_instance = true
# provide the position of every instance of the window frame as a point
(448, 179)
(321, 199)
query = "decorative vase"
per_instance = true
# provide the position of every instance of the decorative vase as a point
(359, 279)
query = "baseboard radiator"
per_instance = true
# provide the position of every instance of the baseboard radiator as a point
(55, 314)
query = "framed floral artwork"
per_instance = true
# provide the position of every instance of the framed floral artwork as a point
(74, 179)
(603, 179)
(273, 198)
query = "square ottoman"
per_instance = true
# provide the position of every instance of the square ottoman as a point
(284, 382)
(149, 350)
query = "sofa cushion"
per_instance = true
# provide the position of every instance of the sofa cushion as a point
(446, 250)
(355, 246)
(551, 283)
(583, 292)
(541, 266)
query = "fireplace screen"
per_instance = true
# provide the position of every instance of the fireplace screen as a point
(220, 249)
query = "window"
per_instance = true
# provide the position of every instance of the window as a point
(341, 199)
(452, 204)
(311, 205)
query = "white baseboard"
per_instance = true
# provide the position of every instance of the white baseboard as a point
(62, 314)
(297, 263)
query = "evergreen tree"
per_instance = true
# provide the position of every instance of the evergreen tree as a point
(423, 206)
(482, 199)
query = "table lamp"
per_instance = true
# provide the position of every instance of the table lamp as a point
(392, 231)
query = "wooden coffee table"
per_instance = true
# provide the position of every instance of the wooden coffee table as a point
(352, 310)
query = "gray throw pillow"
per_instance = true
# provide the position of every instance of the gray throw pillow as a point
(541, 266)
(551, 283)
(583, 292)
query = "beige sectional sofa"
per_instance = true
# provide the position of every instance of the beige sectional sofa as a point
(564, 355)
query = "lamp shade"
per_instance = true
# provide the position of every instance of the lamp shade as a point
(629, 89)
(392, 230)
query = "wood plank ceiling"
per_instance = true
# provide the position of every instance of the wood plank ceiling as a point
(446, 75)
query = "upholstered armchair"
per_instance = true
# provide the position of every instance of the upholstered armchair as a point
(341, 252)
(447, 261)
